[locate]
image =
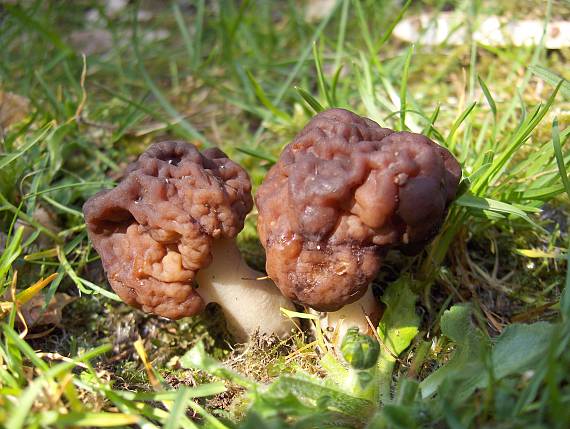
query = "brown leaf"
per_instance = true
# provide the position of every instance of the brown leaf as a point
(34, 316)
(13, 108)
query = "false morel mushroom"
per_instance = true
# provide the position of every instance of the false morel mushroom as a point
(171, 223)
(343, 194)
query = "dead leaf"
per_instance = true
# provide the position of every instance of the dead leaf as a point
(13, 108)
(32, 309)
(35, 316)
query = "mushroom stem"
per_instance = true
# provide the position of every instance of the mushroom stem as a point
(249, 304)
(352, 315)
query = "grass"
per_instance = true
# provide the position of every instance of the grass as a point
(246, 76)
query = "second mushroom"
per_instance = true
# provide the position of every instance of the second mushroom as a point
(341, 195)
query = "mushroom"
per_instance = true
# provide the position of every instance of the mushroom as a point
(171, 222)
(341, 195)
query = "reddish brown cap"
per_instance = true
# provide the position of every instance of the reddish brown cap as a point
(342, 194)
(155, 229)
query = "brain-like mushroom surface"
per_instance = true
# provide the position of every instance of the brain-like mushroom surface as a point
(342, 194)
(155, 230)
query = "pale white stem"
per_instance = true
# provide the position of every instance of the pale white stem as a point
(249, 305)
(338, 322)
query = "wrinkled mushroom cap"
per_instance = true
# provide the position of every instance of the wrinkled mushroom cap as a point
(154, 231)
(342, 194)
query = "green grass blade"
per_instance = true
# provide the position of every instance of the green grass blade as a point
(552, 78)
(100, 290)
(488, 204)
(58, 108)
(187, 130)
(178, 409)
(24, 347)
(200, 391)
(544, 193)
(393, 24)
(559, 155)
(18, 418)
(46, 32)
(488, 96)
(14, 156)
(310, 100)
(198, 29)
(320, 76)
(305, 54)
(88, 419)
(521, 136)
(334, 85)
(6, 205)
(183, 31)
(404, 88)
(538, 51)
(430, 127)
(450, 140)
(197, 358)
(264, 99)
(10, 253)
(341, 35)
(257, 154)
(565, 299)
(212, 421)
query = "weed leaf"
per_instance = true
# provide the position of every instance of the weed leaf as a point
(397, 329)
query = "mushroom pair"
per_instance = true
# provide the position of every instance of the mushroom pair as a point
(343, 193)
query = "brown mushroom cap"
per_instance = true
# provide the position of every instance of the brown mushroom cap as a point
(342, 194)
(154, 231)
